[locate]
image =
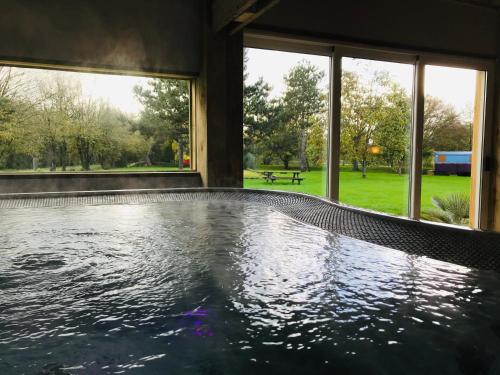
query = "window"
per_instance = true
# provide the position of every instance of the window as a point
(452, 119)
(286, 121)
(375, 124)
(439, 130)
(61, 121)
(409, 134)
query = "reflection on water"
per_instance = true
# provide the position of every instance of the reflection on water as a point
(229, 288)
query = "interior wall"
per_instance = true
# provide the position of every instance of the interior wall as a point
(153, 35)
(434, 25)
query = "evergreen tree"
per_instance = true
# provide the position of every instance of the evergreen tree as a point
(166, 112)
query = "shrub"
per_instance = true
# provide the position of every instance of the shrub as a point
(452, 209)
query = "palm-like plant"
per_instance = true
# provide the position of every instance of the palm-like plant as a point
(451, 209)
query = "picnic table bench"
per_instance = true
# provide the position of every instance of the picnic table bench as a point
(282, 175)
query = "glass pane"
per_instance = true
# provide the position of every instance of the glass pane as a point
(450, 103)
(375, 134)
(53, 121)
(285, 121)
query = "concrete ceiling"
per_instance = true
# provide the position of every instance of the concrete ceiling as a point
(484, 3)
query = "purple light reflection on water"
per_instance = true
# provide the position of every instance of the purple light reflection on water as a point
(200, 328)
(196, 312)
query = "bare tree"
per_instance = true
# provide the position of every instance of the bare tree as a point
(12, 82)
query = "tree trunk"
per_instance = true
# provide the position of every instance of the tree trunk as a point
(148, 156)
(63, 155)
(9, 163)
(106, 163)
(180, 155)
(84, 160)
(285, 164)
(302, 151)
(363, 168)
(35, 163)
(355, 166)
(85, 154)
(88, 158)
(86, 164)
(52, 158)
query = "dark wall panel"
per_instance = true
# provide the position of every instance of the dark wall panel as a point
(152, 35)
(54, 182)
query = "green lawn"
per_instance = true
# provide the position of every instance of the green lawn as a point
(381, 191)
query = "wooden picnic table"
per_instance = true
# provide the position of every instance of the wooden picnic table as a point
(282, 175)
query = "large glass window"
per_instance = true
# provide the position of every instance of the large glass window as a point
(56, 121)
(285, 121)
(408, 134)
(375, 123)
(452, 119)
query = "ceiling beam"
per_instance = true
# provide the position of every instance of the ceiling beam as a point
(232, 15)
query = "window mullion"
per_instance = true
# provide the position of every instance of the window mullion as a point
(334, 126)
(417, 134)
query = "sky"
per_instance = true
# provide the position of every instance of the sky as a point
(117, 90)
(454, 86)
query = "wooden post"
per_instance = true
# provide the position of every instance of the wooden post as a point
(475, 173)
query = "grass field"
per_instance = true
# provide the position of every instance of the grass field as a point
(381, 191)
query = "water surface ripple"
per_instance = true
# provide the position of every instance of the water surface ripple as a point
(229, 288)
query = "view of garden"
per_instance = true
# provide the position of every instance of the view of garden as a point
(287, 130)
(377, 192)
(52, 121)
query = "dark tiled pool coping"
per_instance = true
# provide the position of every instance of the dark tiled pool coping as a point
(447, 243)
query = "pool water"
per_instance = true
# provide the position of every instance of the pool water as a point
(229, 288)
